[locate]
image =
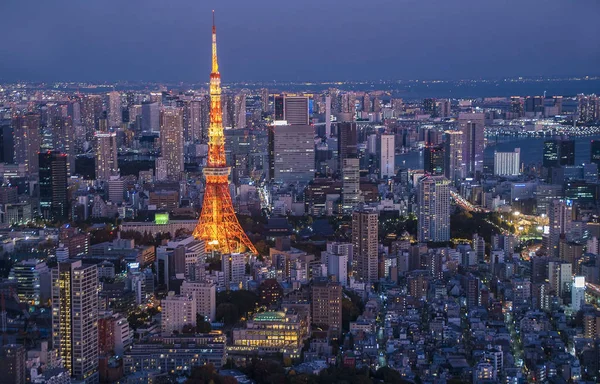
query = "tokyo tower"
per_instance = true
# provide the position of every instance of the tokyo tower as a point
(218, 225)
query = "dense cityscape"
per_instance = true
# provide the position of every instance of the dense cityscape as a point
(299, 232)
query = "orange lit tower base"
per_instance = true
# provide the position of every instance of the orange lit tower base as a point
(218, 225)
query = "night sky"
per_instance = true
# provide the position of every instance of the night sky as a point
(316, 40)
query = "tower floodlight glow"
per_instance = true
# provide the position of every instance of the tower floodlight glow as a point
(218, 225)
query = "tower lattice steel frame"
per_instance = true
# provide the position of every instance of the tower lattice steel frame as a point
(218, 225)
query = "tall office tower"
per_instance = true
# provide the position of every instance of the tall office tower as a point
(227, 106)
(240, 110)
(293, 153)
(433, 159)
(588, 108)
(115, 112)
(472, 126)
(91, 110)
(193, 127)
(350, 184)
(326, 306)
(278, 108)
(295, 110)
(337, 263)
(387, 156)
(177, 312)
(376, 104)
(398, 107)
(106, 155)
(443, 108)
(28, 276)
(204, 293)
(567, 152)
(364, 244)
(27, 141)
(218, 225)
(558, 103)
(233, 266)
(75, 318)
(264, 100)
(327, 116)
(429, 107)
(560, 276)
(595, 152)
(366, 103)
(560, 215)
(347, 141)
(507, 163)
(7, 144)
(434, 209)
(472, 291)
(453, 147)
(12, 364)
(150, 117)
(63, 139)
(171, 140)
(54, 204)
(516, 106)
(551, 155)
(534, 104)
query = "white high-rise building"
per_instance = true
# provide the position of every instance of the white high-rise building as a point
(336, 258)
(177, 312)
(204, 293)
(114, 110)
(434, 209)
(75, 318)
(234, 268)
(171, 140)
(327, 116)
(560, 274)
(365, 227)
(507, 163)
(350, 184)
(106, 155)
(560, 215)
(578, 293)
(387, 156)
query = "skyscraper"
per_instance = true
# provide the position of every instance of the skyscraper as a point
(350, 184)
(453, 148)
(347, 141)
(171, 140)
(434, 209)
(433, 159)
(63, 139)
(560, 215)
(12, 364)
(387, 156)
(567, 152)
(106, 155)
(53, 185)
(295, 109)
(364, 243)
(507, 163)
(595, 152)
(588, 108)
(27, 141)
(115, 113)
(75, 318)
(293, 153)
(551, 155)
(150, 117)
(472, 126)
(7, 144)
(233, 266)
(204, 293)
(326, 305)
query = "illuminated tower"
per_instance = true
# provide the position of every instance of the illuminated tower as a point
(218, 226)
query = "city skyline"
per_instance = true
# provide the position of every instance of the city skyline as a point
(93, 42)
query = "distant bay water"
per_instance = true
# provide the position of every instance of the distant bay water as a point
(532, 149)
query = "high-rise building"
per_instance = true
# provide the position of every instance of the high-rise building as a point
(12, 364)
(387, 156)
(560, 276)
(204, 293)
(293, 109)
(433, 159)
(365, 227)
(534, 104)
(336, 257)
(150, 117)
(453, 148)
(293, 153)
(28, 276)
(7, 144)
(429, 107)
(595, 152)
(171, 140)
(326, 303)
(350, 184)
(366, 103)
(588, 108)
(434, 209)
(347, 141)
(233, 266)
(264, 100)
(472, 126)
(507, 163)
(567, 152)
(106, 155)
(115, 113)
(91, 110)
(27, 141)
(327, 116)
(54, 203)
(558, 152)
(75, 318)
(63, 139)
(177, 312)
(516, 106)
(560, 215)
